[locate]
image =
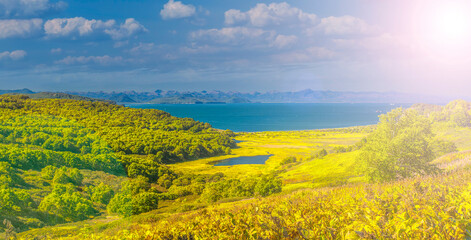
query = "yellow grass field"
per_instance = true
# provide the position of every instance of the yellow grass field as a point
(308, 172)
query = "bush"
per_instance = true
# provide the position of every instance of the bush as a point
(64, 201)
(121, 204)
(9, 176)
(14, 201)
(48, 172)
(66, 175)
(102, 194)
(322, 153)
(75, 176)
(268, 185)
(288, 160)
(135, 197)
(166, 180)
(60, 177)
(230, 188)
(145, 202)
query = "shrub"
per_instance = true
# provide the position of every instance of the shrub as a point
(322, 153)
(288, 160)
(102, 194)
(64, 201)
(145, 202)
(48, 172)
(268, 185)
(134, 198)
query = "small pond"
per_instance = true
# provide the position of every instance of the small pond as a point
(260, 159)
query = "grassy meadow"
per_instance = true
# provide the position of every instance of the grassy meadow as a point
(303, 145)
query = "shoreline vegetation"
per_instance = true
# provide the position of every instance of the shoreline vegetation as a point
(79, 169)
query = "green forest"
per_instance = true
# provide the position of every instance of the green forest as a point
(76, 169)
(67, 160)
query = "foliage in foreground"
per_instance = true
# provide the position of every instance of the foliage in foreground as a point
(434, 207)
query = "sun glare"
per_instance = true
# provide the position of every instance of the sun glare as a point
(452, 24)
(444, 27)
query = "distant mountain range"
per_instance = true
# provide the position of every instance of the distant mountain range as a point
(22, 91)
(304, 96)
(53, 95)
(219, 97)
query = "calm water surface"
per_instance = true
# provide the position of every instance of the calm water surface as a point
(254, 117)
(260, 159)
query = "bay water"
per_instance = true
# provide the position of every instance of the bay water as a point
(254, 117)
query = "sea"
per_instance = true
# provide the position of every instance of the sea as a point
(256, 117)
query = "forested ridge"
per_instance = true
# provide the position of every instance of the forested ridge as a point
(130, 131)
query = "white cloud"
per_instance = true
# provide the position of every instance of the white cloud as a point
(17, 55)
(173, 10)
(79, 26)
(61, 27)
(56, 50)
(281, 32)
(28, 8)
(233, 35)
(14, 55)
(345, 25)
(129, 28)
(83, 60)
(250, 37)
(282, 41)
(282, 16)
(275, 13)
(233, 16)
(20, 28)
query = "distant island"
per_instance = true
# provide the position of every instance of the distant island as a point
(222, 97)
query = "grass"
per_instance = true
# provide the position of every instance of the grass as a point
(300, 144)
(432, 207)
(331, 170)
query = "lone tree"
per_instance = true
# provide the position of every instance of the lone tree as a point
(401, 146)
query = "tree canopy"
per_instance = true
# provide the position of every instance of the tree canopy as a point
(401, 146)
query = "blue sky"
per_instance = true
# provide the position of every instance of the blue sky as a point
(143, 45)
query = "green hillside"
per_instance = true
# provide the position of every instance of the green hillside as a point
(93, 170)
(65, 160)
